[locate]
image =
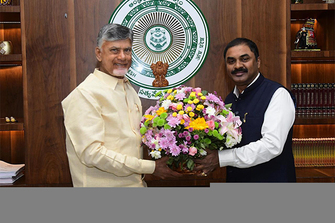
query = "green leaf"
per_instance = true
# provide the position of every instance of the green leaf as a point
(170, 161)
(158, 93)
(228, 105)
(166, 126)
(161, 122)
(215, 133)
(225, 112)
(207, 141)
(164, 115)
(143, 130)
(190, 164)
(156, 120)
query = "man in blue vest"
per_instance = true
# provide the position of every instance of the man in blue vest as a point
(267, 110)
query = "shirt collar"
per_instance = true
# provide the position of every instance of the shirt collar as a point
(108, 79)
(237, 92)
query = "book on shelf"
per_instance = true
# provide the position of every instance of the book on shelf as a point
(314, 98)
(9, 173)
(314, 152)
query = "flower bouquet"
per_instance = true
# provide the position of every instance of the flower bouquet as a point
(184, 122)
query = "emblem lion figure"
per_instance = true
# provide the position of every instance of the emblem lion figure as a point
(160, 70)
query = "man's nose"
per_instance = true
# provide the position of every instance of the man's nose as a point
(238, 64)
(122, 55)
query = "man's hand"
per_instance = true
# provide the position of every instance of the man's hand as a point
(207, 164)
(163, 171)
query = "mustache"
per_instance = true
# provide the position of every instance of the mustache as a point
(245, 70)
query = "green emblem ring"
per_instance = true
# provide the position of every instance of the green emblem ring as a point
(171, 31)
(158, 38)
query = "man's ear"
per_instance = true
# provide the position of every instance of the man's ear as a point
(98, 53)
(258, 62)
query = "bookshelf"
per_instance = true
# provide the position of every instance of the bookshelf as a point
(314, 67)
(12, 146)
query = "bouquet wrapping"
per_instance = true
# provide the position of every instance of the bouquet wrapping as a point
(184, 123)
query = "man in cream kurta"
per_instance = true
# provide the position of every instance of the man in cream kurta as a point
(102, 120)
(99, 120)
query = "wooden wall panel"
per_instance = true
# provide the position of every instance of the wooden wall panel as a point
(48, 68)
(267, 24)
(90, 16)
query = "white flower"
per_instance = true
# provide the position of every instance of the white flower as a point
(155, 141)
(210, 110)
(202, 152)
(155, 154)
(166, 104)
(230, 141)
(180, 91)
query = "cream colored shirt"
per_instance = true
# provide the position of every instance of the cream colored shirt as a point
(102, 119)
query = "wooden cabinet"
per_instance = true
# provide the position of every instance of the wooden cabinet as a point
(12, 147)
(32, 86)
(314, 67)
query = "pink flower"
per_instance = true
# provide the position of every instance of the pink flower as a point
(180, 96)
(192, 151)
(174, 106)
(175, 150)
(172, 121)
(197, 90)
(230, 124)
(211, 124)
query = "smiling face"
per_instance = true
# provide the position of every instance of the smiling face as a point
(242, 65)
(115, 57)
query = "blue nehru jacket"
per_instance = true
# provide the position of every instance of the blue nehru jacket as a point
(253, 103)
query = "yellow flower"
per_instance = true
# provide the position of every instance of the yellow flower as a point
(198, 124)
(192, 94)
(189, 108)
(169, 91)
(191, 114)
(149, 117)
(181, 112)
(179, 107)
(200, 107)
(170, 97)
(190, 102)
(203, 97)
(174, 114)
(160, 111)
(196, 101)
(182, 121)
(199, 94)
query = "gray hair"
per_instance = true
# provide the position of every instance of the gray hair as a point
(113, 32)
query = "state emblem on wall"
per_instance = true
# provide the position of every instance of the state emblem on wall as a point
(172, 32)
